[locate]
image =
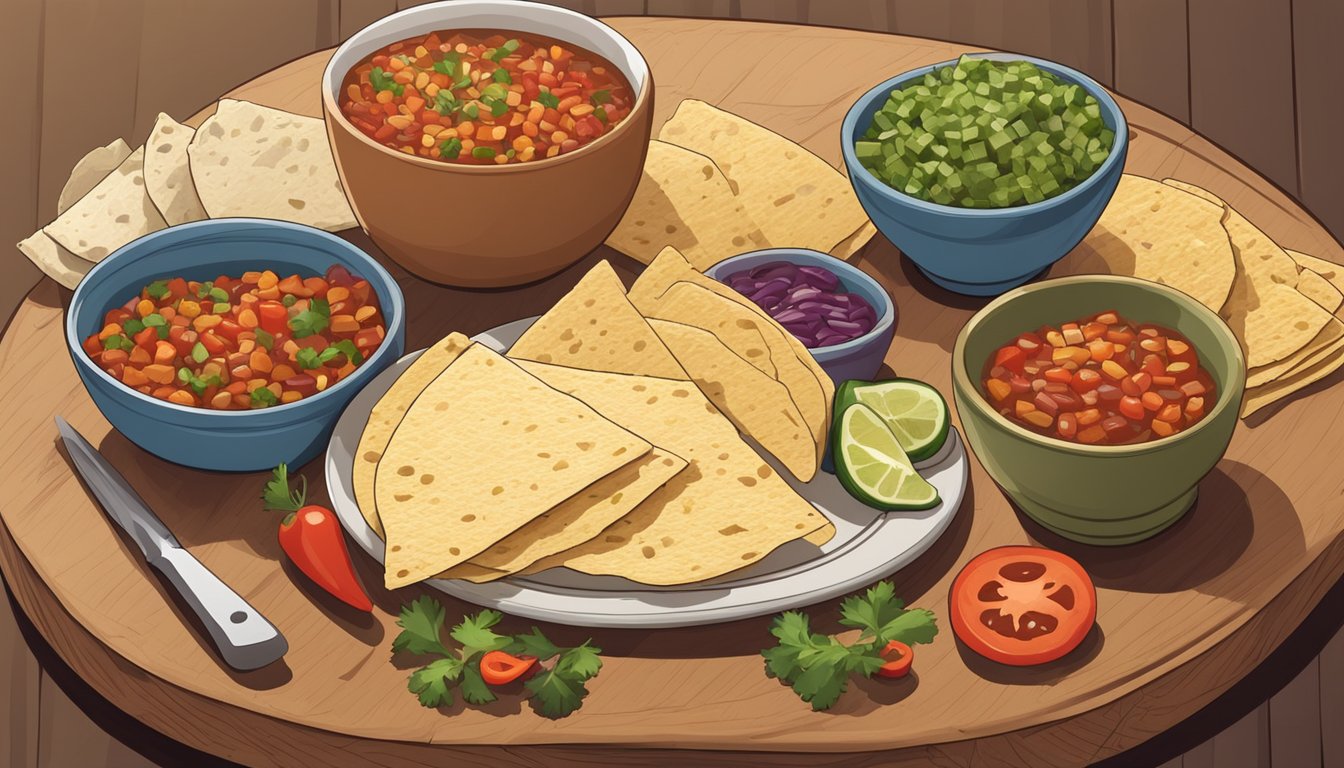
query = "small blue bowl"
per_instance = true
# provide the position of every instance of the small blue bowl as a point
(857, 358)
(984, 252)
(231, 441)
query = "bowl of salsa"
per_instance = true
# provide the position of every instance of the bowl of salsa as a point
(1098, 402)
(465, 131)
(233, 344)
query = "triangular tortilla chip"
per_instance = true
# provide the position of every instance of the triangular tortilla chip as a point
(388, 412)
(725, 511)
(442, 504)
(1331, 333)
(595, 327)
(683, 200)
(113, 214)
(91, 169)
(798, 199)
(1273, 392)
(809, 386)
(167, 174)
(250, 160)
(1156, 232)
(757, 404)
(1264, 308)
(574, 521)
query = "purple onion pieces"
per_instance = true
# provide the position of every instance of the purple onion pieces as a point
(807, 300)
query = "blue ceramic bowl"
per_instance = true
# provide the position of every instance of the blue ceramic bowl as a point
(855, 359)
(984, 252)
(234, 441)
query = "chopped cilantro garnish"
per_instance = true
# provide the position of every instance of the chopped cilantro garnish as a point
(449, 65)
(494, 91)
(157, 289)
(132, 326)
(600, 97)
(501, 75)
(445, 103)
(601, 113)
(548, 99)
(309, 358)
(451, 148)
(482, 153)
(265, 339)
(382, 81)
(503, 51)
(117, 341)
(311, 320)
(154, 320)
(162, 332)
(497, 107)
(263, 398)
(472, 110)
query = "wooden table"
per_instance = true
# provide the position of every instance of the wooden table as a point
(1182, 618)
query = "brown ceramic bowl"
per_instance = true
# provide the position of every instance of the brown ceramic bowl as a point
(448, 223)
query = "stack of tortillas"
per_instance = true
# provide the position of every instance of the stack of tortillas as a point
(716, 185)
(1282, 305)
(247, 160)
(606, 442)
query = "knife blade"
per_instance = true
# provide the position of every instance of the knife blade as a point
(244, 638)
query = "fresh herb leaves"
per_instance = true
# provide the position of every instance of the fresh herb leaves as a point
(309, 358)
(554, 692)
(311, 320)
(157, 289)
(451, 148)
(548, 99)
(818, 667)
(600, 97)
(382, 81)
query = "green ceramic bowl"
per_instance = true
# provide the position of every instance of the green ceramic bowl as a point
(1097, 494)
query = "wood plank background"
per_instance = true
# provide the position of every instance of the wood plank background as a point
(1260, 78)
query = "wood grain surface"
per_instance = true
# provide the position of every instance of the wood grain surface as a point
(1181, 618)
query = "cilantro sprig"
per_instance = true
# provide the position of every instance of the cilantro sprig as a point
(548, 99)
(818, 667)
(309, 358)
(557, 691)
(311, 320)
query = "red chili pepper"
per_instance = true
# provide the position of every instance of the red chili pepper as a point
(311, 537)
(900, 657)
(500, 668)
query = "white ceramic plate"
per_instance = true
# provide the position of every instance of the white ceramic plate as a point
(868, 545)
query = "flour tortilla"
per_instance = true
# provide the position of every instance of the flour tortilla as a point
(759, 406)
(1156, 232)
(1327, 269)
(1273, 392)
(1332, 333)
(91, 169)
(725, 511)
(167, 174)
(595, 327)
(574, 521)
(483, 450)
(54, 260)
(683, 200)
(809, 386)
(113, 214)
(250, 160)
(1270, 317)
(1320, 290)
(388, 412)
(798, 199)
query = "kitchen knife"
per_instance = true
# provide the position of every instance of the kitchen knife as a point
(245, 639)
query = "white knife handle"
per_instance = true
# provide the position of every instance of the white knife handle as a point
(244, 637)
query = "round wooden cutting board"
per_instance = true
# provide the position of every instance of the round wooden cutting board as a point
(1181, 618)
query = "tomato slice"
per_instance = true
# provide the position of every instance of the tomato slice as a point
(1022, 605)
(898, 657)
(500, 668)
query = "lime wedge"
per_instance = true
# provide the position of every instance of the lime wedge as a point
(873, 467)
(913, 410)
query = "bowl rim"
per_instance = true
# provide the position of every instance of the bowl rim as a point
(860, 175)
(183, 233)
(886, 317)
(1236, 379)
(643, 97)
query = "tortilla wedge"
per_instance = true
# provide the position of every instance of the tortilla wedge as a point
(725, 511)
(573, 521)
(115, 212)
(54, 259)
(1326, 339)
(757, 404)
(809, 386)
(543, 447)
(89, 170)
(388, 412)
(797, 199)
(683, 200)
(594, 326)
(167, 174)
(1261, 397)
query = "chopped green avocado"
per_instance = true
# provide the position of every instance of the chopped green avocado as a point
(986, 134)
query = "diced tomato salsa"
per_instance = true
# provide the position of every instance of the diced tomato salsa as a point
(1102, 380)
(484, 97)
(236, 343)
